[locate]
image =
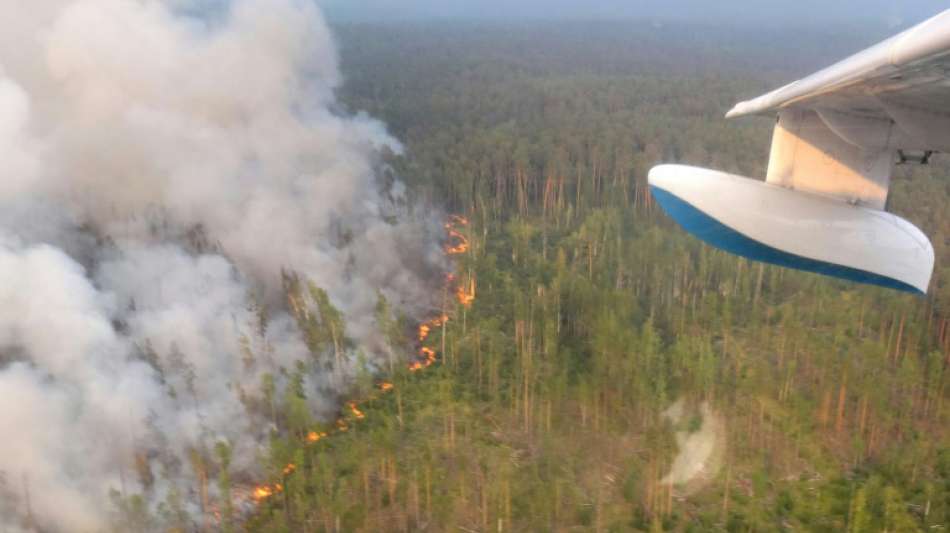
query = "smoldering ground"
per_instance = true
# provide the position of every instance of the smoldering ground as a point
(161, 164)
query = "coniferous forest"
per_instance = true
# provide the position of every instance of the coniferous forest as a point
(593, 367)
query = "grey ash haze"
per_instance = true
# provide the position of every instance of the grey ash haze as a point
(893, 13)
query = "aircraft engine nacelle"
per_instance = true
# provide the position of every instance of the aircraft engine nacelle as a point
(794, 228)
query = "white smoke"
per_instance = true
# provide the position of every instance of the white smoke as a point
(161, 164)
(700, 439)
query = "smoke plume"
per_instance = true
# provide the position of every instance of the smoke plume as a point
(700, 439)
(163, 164)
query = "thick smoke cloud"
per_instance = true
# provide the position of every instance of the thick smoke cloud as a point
(161, 165)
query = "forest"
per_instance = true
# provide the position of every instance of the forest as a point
(585, 341)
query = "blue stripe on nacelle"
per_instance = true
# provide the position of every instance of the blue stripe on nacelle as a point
(717, 234)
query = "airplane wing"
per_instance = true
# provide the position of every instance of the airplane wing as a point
(905, 79)
(838, 135)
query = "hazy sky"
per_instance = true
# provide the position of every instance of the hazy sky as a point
(890, 12)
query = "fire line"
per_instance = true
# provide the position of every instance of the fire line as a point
(456, 244)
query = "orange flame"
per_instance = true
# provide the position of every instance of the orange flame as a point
(356, 411)
(429, 356)
(426, 327)
(262, 493)
(313, 436)
(385, 386)
(465, 295)
(424, 330)
(458, 243)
